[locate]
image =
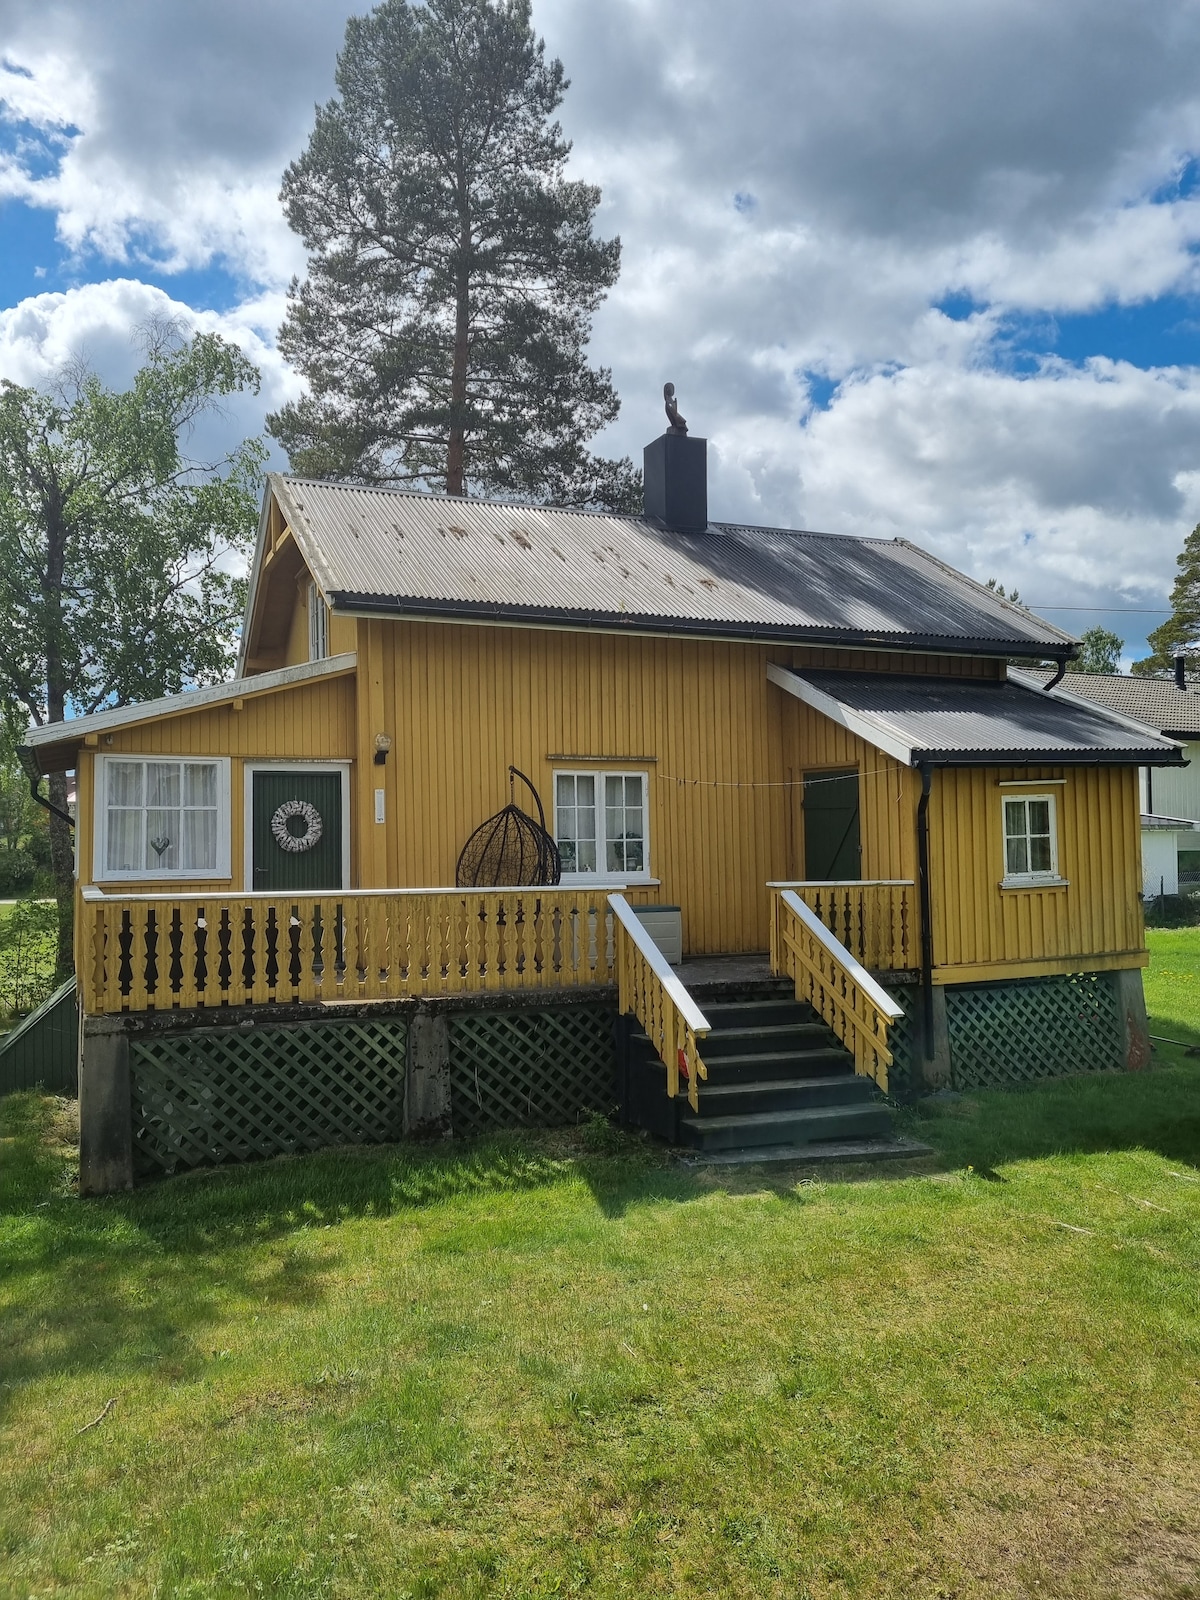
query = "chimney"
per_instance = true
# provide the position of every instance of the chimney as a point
(675, 475)
(1181, 670)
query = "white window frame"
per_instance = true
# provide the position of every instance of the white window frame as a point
(601, 878)
(221, 873)
(1026, 880)
(249, 768)
(318, 625)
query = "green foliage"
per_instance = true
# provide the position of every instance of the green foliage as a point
(114, 546)
(28, 940)
(17, 868)
(998, 589)
(1181, 631)
(1101, 652)
(452, 271)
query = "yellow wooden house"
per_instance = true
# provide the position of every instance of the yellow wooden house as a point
(817, 838)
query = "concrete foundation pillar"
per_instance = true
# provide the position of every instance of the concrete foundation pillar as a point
(427, 1078)
(105, 1108)
(931, 1065)
(1131, 1009)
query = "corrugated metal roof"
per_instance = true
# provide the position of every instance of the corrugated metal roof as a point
(394, 550)
(1154, 701)
(972, 722)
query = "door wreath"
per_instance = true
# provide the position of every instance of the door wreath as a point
(290, 812)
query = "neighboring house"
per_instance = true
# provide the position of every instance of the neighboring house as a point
(1170, 798)
(775, 738)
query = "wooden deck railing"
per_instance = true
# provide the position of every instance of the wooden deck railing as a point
(874, 918)
(144, 952)
(838, 987)
(651, 992)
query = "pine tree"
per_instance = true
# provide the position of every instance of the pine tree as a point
(1181, 631)
(453, 272)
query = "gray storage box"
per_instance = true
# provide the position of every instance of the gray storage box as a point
(664, 924)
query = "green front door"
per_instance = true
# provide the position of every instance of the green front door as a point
(831, 842)
(297, 830)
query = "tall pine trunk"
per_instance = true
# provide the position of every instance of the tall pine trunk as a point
(456, 445)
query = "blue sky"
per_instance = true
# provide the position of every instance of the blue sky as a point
(926, 272)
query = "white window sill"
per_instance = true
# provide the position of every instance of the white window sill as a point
(594, 880)
(1044, 882)
(164, 877)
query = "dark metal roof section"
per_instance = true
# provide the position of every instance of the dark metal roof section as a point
(395, 552)
(959, 723)
(1155, 701)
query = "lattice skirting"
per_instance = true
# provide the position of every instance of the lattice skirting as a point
(231, 1095)
(530, 1068)
(1003, 1033)
(903, 1041)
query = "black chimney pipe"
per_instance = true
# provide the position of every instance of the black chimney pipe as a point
(675, 482)
(1180, 670)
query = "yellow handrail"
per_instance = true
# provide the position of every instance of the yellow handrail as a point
(651, 992)
(873, 918)
(144, 952)
(828, 978)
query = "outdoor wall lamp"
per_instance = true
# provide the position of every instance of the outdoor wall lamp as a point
(382, 745)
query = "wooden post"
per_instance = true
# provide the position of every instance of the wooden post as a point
(105, 1107)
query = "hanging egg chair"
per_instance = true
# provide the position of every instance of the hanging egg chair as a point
(510, 849)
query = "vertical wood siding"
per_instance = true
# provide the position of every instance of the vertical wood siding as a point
(464, 702)
(725, 752)
(310, 722)
(976, 922)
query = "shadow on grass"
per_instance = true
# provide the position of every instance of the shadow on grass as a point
(1156, 1110)
(131, 1281)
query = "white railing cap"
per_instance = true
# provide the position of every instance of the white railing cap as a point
(875, 992)
(842, 883)
(658, 964)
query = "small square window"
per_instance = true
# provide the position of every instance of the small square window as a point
(1030, 843)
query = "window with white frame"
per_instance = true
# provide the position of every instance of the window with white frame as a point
(161, 819)
(318, 625)
(600, 824)
(1030, 839)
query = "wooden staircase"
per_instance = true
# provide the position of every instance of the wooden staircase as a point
(780, 1085)
(778, 1076)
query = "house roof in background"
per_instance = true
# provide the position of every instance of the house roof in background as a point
(392, 551)
(1154, 701)
(955, 722)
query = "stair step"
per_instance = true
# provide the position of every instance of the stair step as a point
(896, 1148)
(787, 1127)
(741, 1040)
(771, 1065)
(784, 1094)
(756, 1013)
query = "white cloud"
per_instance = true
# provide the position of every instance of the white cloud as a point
(100, 322)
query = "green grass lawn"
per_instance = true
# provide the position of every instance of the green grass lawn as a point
(565, 1364)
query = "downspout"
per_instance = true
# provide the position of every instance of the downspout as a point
(926, 893)
(1057, 678)
(29, 763)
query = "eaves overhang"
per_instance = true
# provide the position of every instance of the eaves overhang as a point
(350, 603)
